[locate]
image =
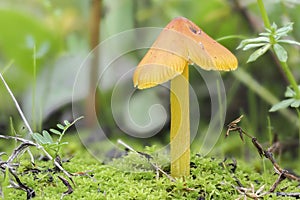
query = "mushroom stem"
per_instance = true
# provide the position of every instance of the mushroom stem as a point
(180, 125)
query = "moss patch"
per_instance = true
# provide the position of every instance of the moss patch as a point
(131, 177)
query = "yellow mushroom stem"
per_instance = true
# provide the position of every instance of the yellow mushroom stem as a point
(180, 125)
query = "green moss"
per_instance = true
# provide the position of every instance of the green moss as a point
(131, 177)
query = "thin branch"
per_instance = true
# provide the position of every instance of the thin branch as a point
(29, 142)
(18, 151)
(58, 165)
(18, 139)
(17, 105)
(290, 194)
(67, 184)
(277, 182)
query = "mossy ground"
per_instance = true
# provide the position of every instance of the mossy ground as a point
(131, 177)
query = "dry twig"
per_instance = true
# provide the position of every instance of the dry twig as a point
(148, 157)
(233, 126)
(67, 184)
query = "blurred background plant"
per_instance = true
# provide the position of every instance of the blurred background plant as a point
(43, 43)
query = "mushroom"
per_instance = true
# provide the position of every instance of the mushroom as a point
(179, 44)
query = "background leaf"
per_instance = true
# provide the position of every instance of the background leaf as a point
(250, 46)
(289, 42)
(47, 136)
(280, 52)
(253, 40)
(295, 104)
(289, 92)
(39, 138)
(283, 104)
(16, 30)
(55, 131)
(60, 126)
(259, 52)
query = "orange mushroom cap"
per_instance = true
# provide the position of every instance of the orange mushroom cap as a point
(181, 41)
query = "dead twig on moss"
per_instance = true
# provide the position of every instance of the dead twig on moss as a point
(11, 166)
(148, 157)
(251, 192)
(291, 194)
(283, 173)
(19, 185)
(20, 149)
(27, 143)
(68, 185)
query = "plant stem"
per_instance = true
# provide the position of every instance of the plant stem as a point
(264, 14)
(17, 105)
(180, 125)
(291, 78)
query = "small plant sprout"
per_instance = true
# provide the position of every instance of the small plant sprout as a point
(46, 140)
(179, 44)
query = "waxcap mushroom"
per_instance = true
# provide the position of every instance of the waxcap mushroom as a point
(181, 41)
(178, 45)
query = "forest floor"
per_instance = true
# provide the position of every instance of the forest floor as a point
(132, 176)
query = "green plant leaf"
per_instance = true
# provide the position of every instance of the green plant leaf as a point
(63, 143)
(289, 92)
(267, 34)
(283, 104)
(253, 40)
(289, 42)
(259, 52)
(283, 31)
(253, 45)
(55, 131)
(273, 26)
(258, 39)
(280, 52)
(47, 136)
(67, 123)
(39, 138)
(60, 126)
(296, 103)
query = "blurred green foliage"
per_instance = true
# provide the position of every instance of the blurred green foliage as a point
(19, 34)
